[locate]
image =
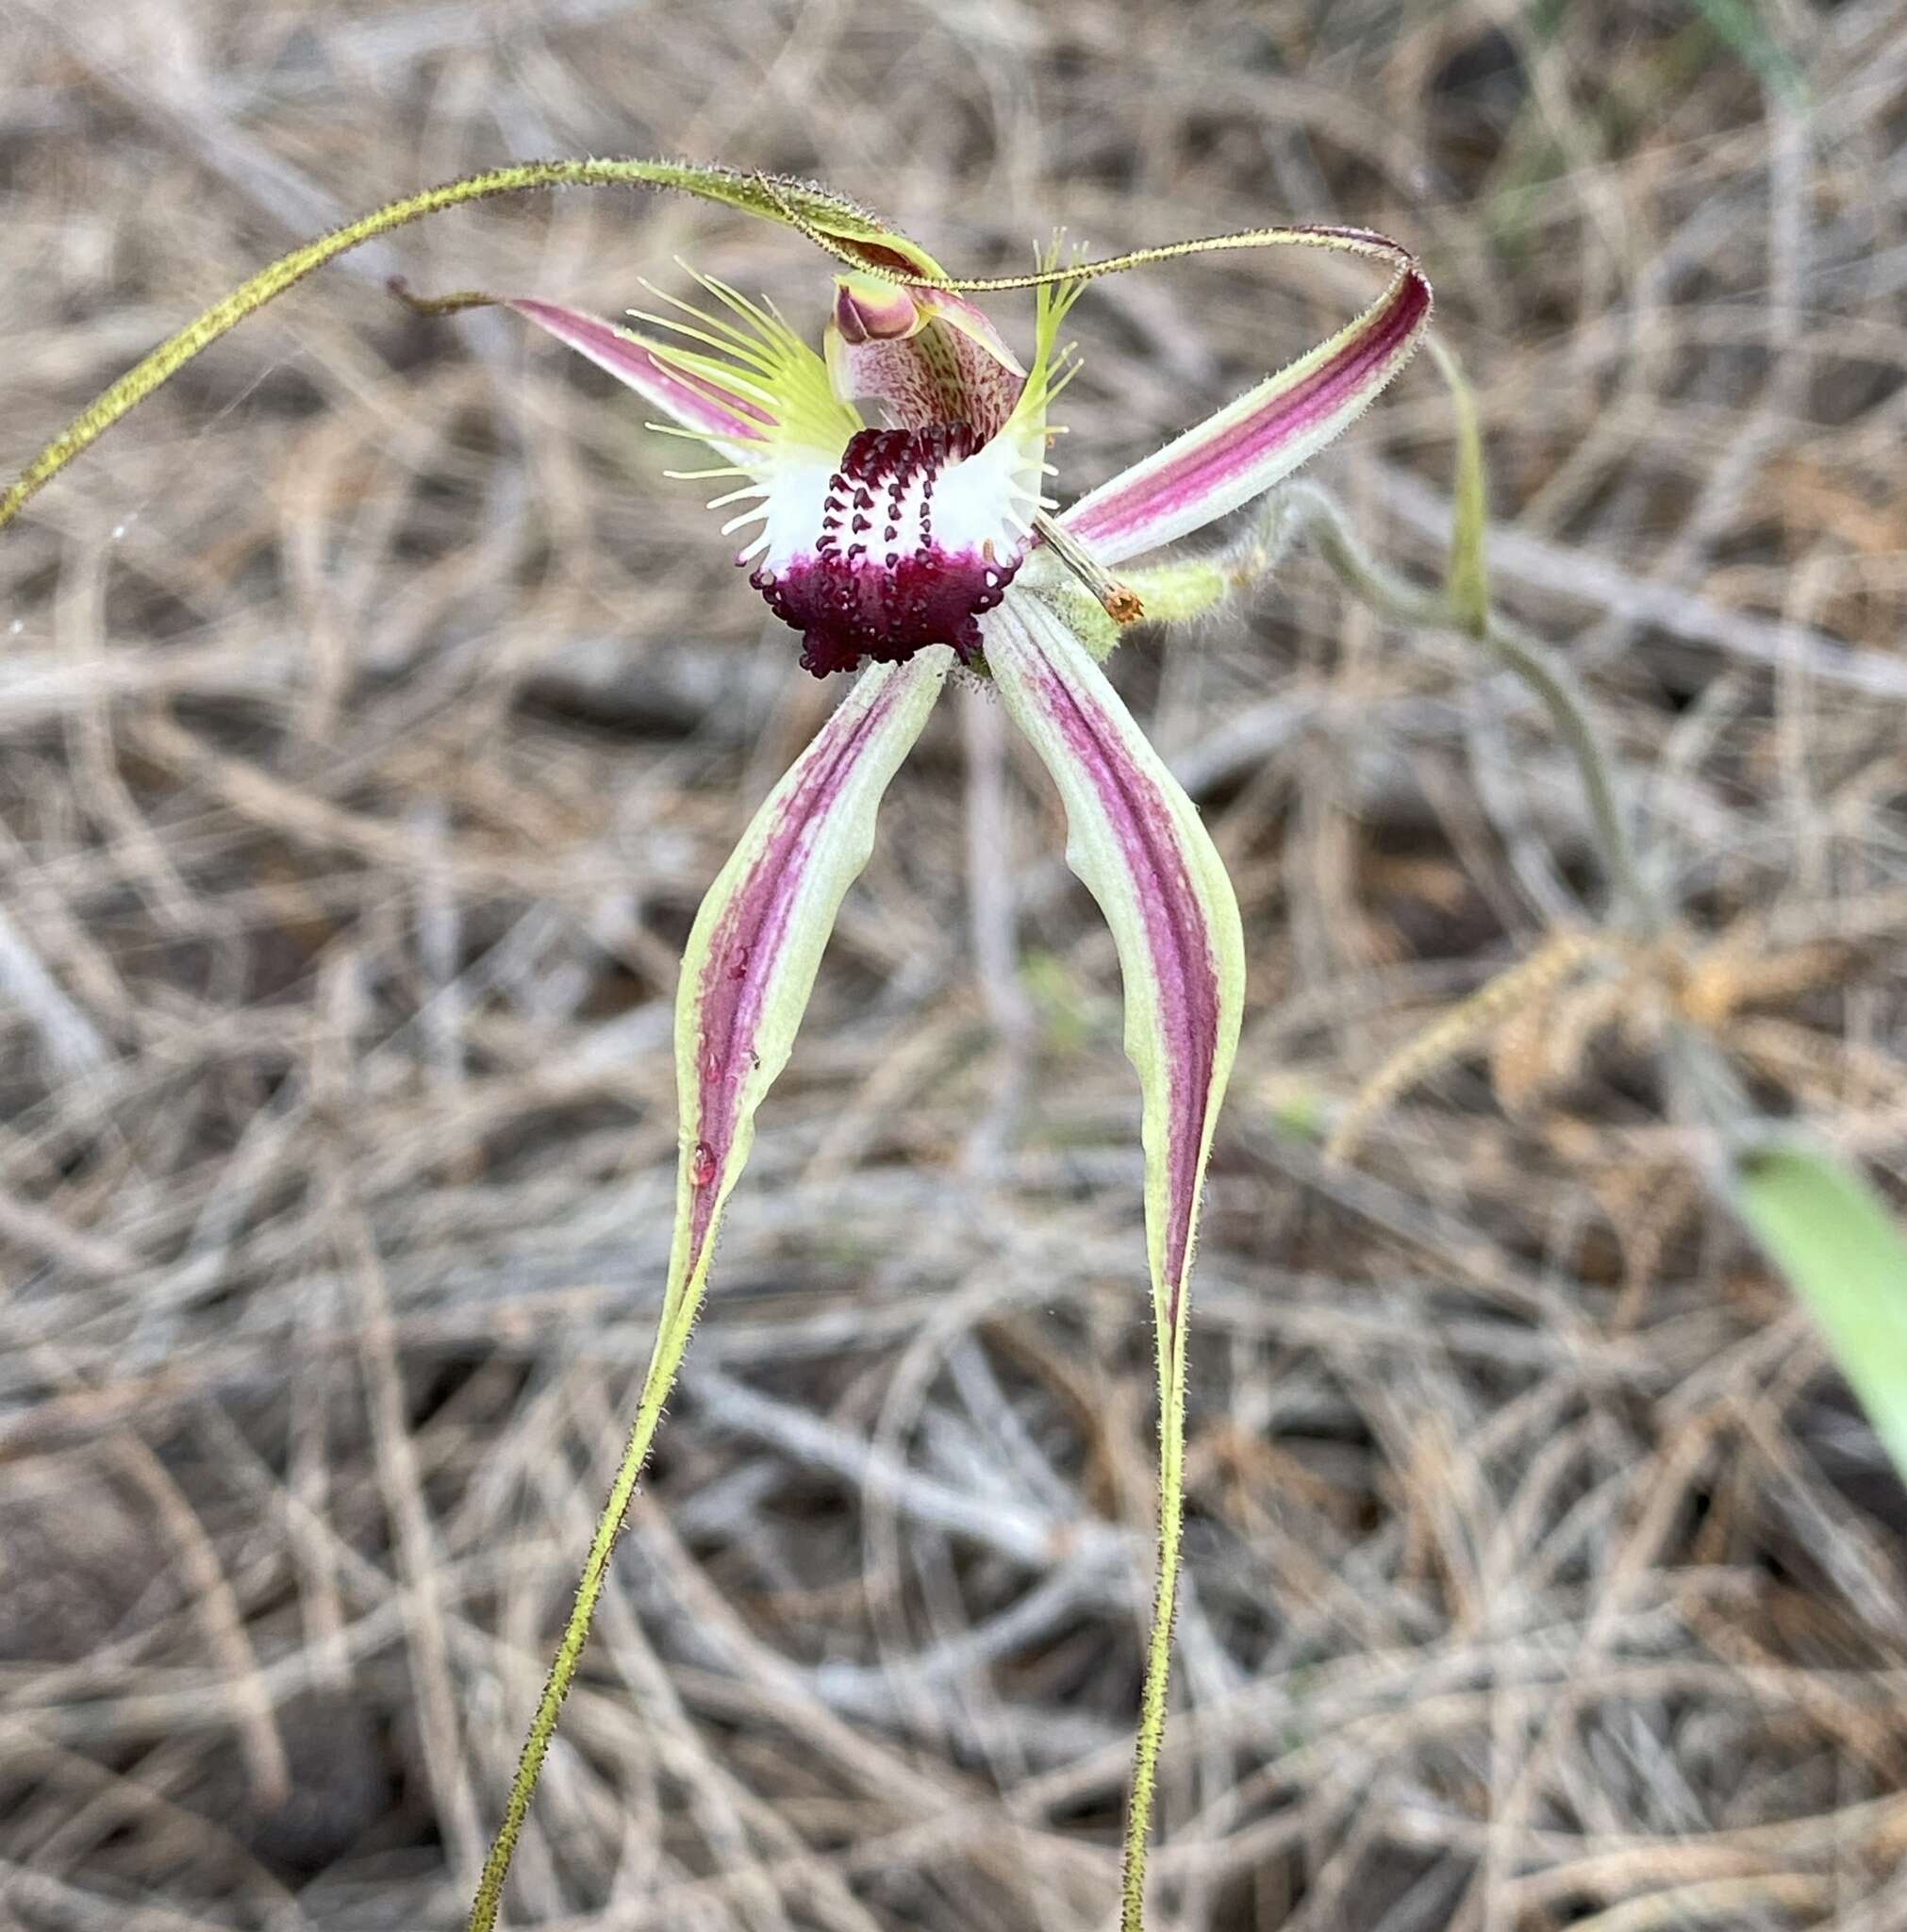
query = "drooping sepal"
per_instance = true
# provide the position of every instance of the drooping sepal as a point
(1254, 443)
(1137, 840)
(745, 983)
(758, 939)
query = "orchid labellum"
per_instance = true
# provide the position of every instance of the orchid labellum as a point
(887, 493)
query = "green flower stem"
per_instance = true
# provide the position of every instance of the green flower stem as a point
(672, 1342)
(1815, 1217)
(1314, 513)
(1466, 578)
(1151, 1725)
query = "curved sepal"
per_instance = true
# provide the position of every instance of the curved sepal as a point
(1257, 441)
(843, 228)
(1135, 840)
(759, 940)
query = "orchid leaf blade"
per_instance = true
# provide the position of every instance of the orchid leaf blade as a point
(1137, 842)
(746, 978)
(1823, 1225)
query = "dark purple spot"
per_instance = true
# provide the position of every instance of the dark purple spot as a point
(849, 604)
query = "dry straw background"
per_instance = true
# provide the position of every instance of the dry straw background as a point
(373, 717)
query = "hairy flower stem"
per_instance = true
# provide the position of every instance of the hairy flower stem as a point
(1151, 1725)
(665, 1359)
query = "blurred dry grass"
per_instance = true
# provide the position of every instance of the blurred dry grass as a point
(373, 718)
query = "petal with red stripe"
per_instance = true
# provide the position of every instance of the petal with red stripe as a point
(1135, 840)
(756, 944)
(1257, 441)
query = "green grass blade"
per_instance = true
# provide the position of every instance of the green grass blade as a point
(1825, 1227)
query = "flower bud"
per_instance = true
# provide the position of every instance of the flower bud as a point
(868, 309)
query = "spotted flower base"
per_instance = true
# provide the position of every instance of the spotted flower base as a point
(877, 584)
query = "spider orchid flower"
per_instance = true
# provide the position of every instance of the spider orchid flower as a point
(887, 491)
(889, 487)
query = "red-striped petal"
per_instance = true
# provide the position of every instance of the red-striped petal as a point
(1135, 840)
(757, 940)
(1257, 441)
